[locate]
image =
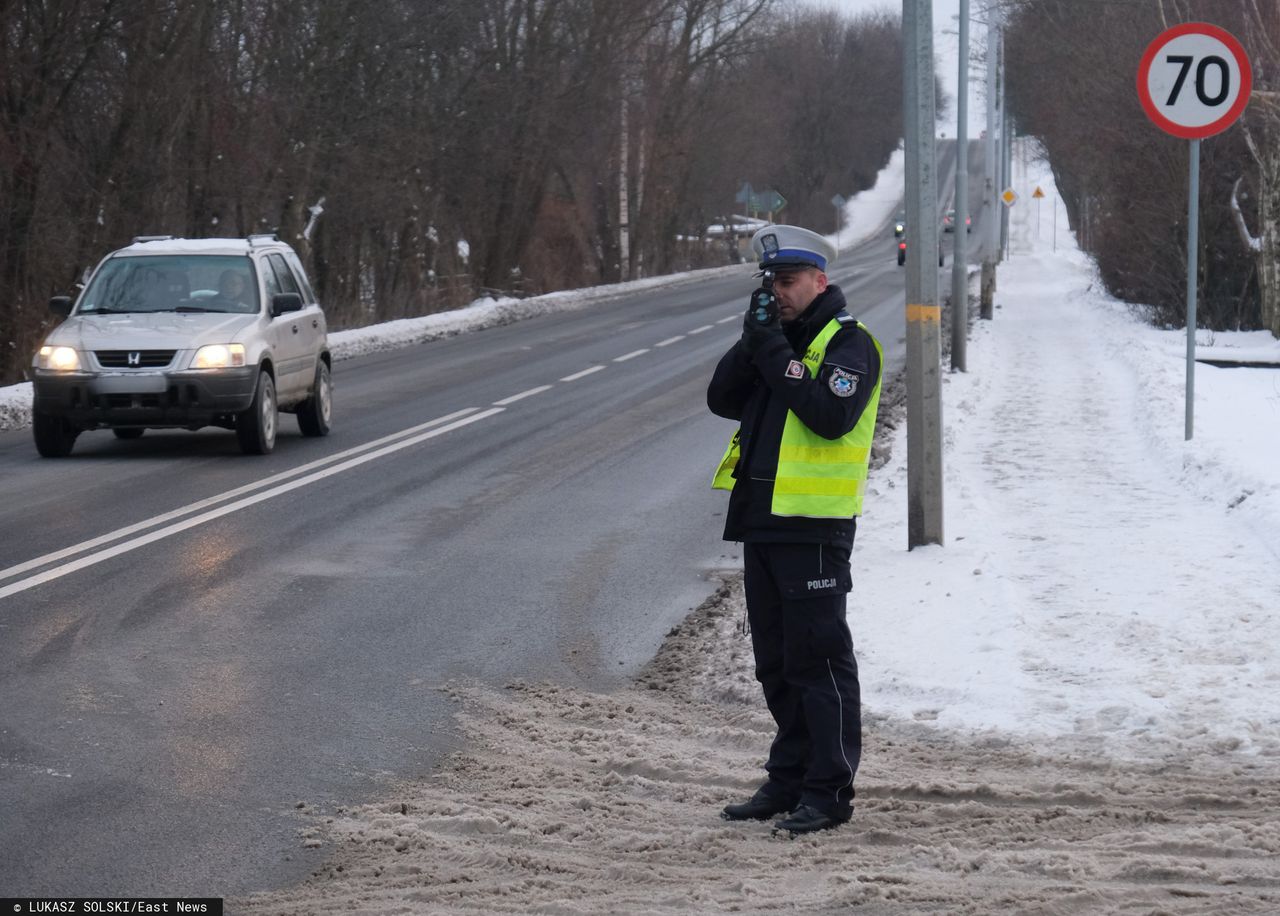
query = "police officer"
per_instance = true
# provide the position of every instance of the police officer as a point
(804, 383)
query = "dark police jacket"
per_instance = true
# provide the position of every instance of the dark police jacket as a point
(757, 392)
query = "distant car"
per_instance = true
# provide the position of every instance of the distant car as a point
(949, 222)
(902, 253)
(899, 225)
(186, 333)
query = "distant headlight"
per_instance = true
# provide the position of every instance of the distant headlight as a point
(59, 359)
(898, 227)
(219, 356)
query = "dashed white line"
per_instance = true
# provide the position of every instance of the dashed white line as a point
(578, 375)
(632, 355)
(59, 571)
(730, 318)
(522, 395)
(669, 340)
(705, 327)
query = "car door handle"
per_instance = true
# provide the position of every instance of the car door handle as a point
(295, 329)
(315, 324)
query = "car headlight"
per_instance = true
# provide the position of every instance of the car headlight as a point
(59, 359)
(219, 356)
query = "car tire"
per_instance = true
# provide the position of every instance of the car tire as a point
(316, 412)
(256, 426)
(131, 432)
(55, 436)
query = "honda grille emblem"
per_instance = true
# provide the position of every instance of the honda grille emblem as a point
(135, 358)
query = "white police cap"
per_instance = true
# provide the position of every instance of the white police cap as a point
(790, 247)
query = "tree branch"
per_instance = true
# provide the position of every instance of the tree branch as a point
(1251, 242)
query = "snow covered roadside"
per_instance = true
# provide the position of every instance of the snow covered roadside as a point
(1103, 579)
(1074, 706)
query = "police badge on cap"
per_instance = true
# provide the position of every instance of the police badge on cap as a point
(791, 248)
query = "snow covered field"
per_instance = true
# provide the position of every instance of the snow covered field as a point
(1073, 706)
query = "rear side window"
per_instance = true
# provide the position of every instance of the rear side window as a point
(308, 295)
(284, 276)
(269, 280)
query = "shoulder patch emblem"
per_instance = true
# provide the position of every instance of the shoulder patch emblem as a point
(795, 369)
(842, 383)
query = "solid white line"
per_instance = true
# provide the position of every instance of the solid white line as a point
(222, 497)
(705, 327)
(578, 375)
(669, 340)
(58, 572)
(524, 394)
(632, 355)
(730, 318)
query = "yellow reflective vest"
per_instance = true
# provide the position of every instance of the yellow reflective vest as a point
(817, 477)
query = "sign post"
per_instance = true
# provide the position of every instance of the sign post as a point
(1194, 82)
(838, 201)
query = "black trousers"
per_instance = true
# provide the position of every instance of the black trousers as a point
(804, 661)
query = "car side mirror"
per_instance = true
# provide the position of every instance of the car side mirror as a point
(60, 306)
(285, 302)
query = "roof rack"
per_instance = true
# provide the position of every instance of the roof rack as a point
(261, 237)
(151, 238)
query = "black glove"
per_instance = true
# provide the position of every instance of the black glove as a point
(755, 331)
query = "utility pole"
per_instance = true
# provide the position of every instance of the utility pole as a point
(924, 325)
(960, 260)
(992, 205)
(1006, 169)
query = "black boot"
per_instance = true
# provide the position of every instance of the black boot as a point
(759, 807)
(807, 819)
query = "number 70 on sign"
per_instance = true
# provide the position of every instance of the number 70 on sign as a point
(1194, 80)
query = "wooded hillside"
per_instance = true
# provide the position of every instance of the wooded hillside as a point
(420, 152)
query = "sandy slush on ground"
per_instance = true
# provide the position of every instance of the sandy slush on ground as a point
(571, 802)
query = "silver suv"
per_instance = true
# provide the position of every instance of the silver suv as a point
(186, 333)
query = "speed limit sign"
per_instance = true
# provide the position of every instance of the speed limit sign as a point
(1194, 80)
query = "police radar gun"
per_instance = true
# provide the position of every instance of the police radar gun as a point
(764, 304)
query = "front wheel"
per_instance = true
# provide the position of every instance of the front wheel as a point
(256, 426)
(315, 413)
(55, 436)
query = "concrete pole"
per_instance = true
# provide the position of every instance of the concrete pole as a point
(991, 205)
(924, 325)
(1006, 167)
(960, 260)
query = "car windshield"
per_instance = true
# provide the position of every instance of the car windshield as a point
(173, 283)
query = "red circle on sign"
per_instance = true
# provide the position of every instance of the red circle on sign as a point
(1228, 118)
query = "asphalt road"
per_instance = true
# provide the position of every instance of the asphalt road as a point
(193, 641)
